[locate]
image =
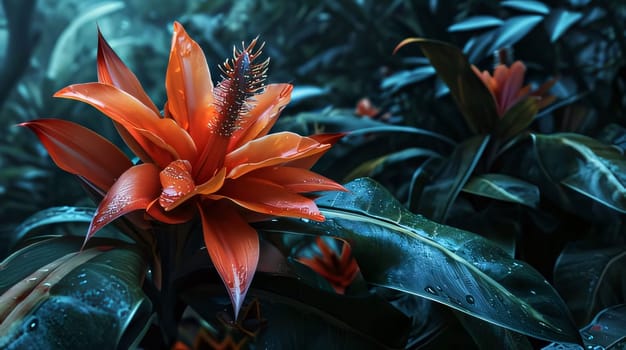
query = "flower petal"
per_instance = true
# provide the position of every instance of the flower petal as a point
(297, 180)
(189, 85)
(81, 151)
(511, 86)
(111, 70)
(265, 197)
(260, 119)
(271, 150)
(181, 214)
(233, 247)
(134, 190)
(309, 161)
(176, 182)
(138, 119)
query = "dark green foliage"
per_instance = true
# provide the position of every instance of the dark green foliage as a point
(533, 199)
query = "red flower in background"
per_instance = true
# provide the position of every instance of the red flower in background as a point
(339, 270)
(209, 154)
(506, 88)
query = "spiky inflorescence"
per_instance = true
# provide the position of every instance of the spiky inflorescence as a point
(241, 79)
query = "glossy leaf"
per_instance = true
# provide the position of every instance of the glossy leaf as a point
(517, 118)
(398, 80)
(87, 299)
(607, 331)
(471, 95)
(434, 193)
(504, 188)
(514, 29)
(53, 215)
(590, 278)
(527, 5)
(399, 250)
(560, 21)
(283, 300)
(474, 23)
(585, 165)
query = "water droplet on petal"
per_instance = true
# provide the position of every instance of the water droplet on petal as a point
(469, 299)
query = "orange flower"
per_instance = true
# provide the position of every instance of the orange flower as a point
(209, 154)
(506, 87)
(339, 271)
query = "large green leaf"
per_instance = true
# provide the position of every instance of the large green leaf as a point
(399, 250)
(585, 165)
(55, 297)
(590, 278)
(434, 192)
(503, 187)
(469, 92)
(607, 331)
(517, 118)
(296, 315)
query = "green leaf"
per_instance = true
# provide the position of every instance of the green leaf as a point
(399, 250)
(590, 278)
(63, 48)
(297, 314)
(514, 29)
(585, 165)
(503, 187)
(527, 5)
(469, 92)
(91, 298)
(441, 187)
(517, 118)
(53, 215)
(474, 23)
(606, 331)
(398, 80)
(375, 166)
(560, 21)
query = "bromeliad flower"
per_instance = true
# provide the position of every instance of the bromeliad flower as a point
(339, 270)
(210, 153)
(506, 88)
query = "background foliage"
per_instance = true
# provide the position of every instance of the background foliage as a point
(553, 196)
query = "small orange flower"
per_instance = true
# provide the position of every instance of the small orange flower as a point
(210, 153)
(339, 271)
(506, 87)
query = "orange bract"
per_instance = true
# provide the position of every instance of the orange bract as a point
(338, 270)
(209, 154)
(506, 88)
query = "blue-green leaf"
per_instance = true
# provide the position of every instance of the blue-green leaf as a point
(475, 22)
(560, 21)
(409, 253)
(514, 29)
(527, 5)
(585, 165)
(503, 187)
(89, 298)
(434, 193)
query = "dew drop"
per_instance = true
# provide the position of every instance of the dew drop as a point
(32, 325)
(82, 275)
(470, 299)
(83, 282)
(122, 313)
(431, 290)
